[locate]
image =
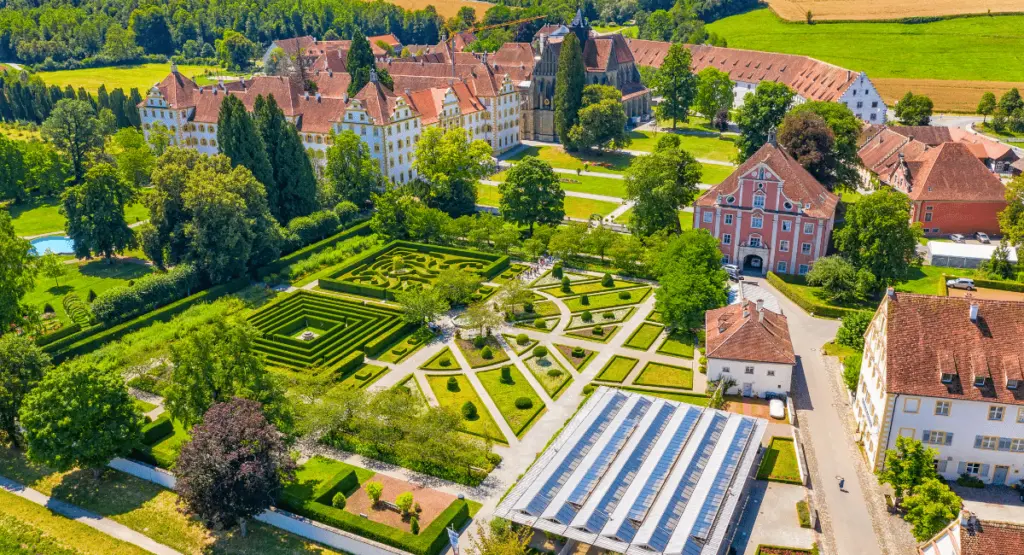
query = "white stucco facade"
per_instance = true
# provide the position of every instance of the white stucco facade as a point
(753, 379)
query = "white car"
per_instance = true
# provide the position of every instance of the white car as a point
(982, 237)
(960, 283)
(777, 409)
(956, 238)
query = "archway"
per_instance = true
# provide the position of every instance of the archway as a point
(754, 264)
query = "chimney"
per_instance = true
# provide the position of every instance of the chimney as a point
(891, 293)
(974, 311)
(760, 305)
(305, 95)
(318, 97)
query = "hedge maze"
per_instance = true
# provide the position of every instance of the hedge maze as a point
(402, 265)
(313, 335)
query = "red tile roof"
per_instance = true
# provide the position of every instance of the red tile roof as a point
(378, 101)
(927, 336)
(798, 185)
(179, 91)
(991, 538)
(514, 53)
(601, 51)
(741, 332)
(951, 171)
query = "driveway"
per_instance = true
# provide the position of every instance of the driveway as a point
(994, 503)
(769, 518)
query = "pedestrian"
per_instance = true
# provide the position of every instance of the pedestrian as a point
(842, 484)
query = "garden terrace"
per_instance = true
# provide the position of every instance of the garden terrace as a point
(403, 266)
(307, 330)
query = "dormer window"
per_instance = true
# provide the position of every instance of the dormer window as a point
(979, 381)
(788, 205)
(1012, 385)
(947, 378)
(731, 199)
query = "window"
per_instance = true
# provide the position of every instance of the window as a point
(874, 104)
(941, 408)
(708, 217)
(787, 225)
(784, 246)
(972, 468)
(771, 372)
(805, 248)
(1017, 445)
(988, 442)
(782, 267)
(803, 269)
(725, 369)
(873, 118)
(936, 437)
(758, 201)
(727, 239)
(860, 104)
(928, 217)
(755, 241)
(911, 405)
(748, 370)
(1020, 415)
(808, 229)
(756, 222)
(995, 413)
(728, 219)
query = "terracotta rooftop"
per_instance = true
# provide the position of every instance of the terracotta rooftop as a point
(741, 332)
(601, 51)
(951, 171)
(928, 336)
(798, 185)
(311, 47)
(880, 145)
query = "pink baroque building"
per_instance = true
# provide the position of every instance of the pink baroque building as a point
(770, 214)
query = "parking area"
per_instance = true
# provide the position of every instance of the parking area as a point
(987, 294)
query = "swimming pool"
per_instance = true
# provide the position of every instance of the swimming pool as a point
(56, 244)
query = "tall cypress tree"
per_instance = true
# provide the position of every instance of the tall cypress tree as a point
(239, 141)
(116, 104)
(569, 83)
(102, 99)
(85, 96)
(360, 57)
(294, 181)
(69, 92)
(134, 99)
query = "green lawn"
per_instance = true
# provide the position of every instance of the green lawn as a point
(575, 207)
(362, 377)
(519, 349)
(144, 406)
(607, 332)
(698, 142)
(608, 300)
(38, 217)
(987, 129)
(715, 173)
(166, 450)
(926, 279)
(96, 275)
(475, 356)
(588, 288)
(487, 195)
(655, 316)
(505, 395)
(318, 470)
(483, 425)
(608, 186)
(142, 76)
(972, 48)
(779, 462)
(558, 158)
(437, 362)
(685, 219)
(617, 369)
(644, 336)
(677, 344)
(542, 368)
(626, 30)
(691, 398)
(664, 375)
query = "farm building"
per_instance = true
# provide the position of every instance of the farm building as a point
(961, 255)
(641, 475)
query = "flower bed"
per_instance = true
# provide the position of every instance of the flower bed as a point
(437, 363)
(600, 317)
(592, 334)
(608, 300)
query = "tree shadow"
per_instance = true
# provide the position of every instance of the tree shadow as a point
(17, 209)
(115, 493)
(100, 268)
(60, 290)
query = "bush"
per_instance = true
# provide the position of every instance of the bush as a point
(585, 300)
(968, 481)
(812, 307)
(523, 339)
(346, 211)
(487, 353)
(445, 362)
(607, 281)
(453, 384)
(540, 351)
(479, 341)
(527, 307)
(836, 277)
(566, 285)
(598, 330)
(539, 323)
(803, 514)
(506, 374)
(609, 315)
(555, 373)
(556, 271)
(414, 525)
(150, 292)
(92, 296)
(305, 230)
(76, 309)
(588, 389)
(404, 502)
(338, 502)
(587, 316)
(578, 352)
(469, 411)
(851, 371)
(625, 295)
(524, 403)
(855, 325)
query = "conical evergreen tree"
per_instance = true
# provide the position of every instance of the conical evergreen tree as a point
(294, 181)
(134, 99)
(102, 100)
(360, 57)
(69, 92)
(569, 83)
(55, 94)
(85, 96)
(117, 106)
(239, 141)
(6, 113)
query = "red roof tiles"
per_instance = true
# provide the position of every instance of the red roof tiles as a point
(951, 171)
(741, 332)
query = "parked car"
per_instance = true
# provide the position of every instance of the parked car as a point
(960, 283)
(982, 237)
(777, 409)
(733, 271)
(957, 238)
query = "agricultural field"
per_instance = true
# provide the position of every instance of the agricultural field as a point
(142, 76)
(631, 31)
(445, 8)
(878, 10)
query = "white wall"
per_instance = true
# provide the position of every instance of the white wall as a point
(869, 408)
(864, 100)
(761, 382)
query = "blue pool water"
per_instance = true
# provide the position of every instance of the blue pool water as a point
(59, 245)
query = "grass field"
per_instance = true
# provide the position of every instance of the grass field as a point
(608, 186)
(969, 48)
(644, 336)
(505, 394)
(558, 158)
(694, 138)
(38, 217)
(685, 219)
(664, 375)
(588, 288)
(17, 133)
(617, 369)
(607, 300)
(543, 369)
(779, 463)
(436, 362)
(141, 76)
(881, 10)
(714, 174)
(678, 345)
(475, 356)
(626, 30)
(96, 275)
(575, 207)
(483, 425)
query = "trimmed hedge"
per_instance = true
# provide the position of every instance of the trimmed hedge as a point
(44, 340)
(360, 228)
(1014, 286)
(344, 482)
(77, 310)
(305, 230)
(817, 309)
(153, 291)
(157, 430)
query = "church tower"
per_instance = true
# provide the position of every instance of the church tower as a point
(581, 28)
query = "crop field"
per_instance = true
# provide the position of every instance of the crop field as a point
(445, 8)
(402, 266)
(311, 333)
(142, 76)
(882, 10)
(948, 95)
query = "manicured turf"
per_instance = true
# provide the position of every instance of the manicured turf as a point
(519, 349)
(435, 361)
(475, 356)
(558, 158)
(584, 208)
(362, 377)
(29, 528)
(713, 174)
(166, 450)
(545, 308)
(318, 470)
(579, 363)
(607, 332)
(700, 143)
(488, 195)
(664, 375)
(608, 300)
(625, 30)
(38, 217)
(979, 48)
(143, 406)
(607, 186)
(779, 462)
(401, 350)
(601, 317)
(96, 275)
(926, 279)
(483, 425)
(685, 219)
(644, 336)
(677, 344)
(413, 386)
(589, 288)
(554, 385)
(617, 369)
(691, 398)
(505, 394)
(655, 316)
(142, 76)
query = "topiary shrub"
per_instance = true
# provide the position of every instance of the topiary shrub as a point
(598, 330)
(540, 351)
(556, 271)
(445, 362)
(453, 384)
(578, 352)
(339, 500)
(588, 389)
(587, 316)
(48, 309)
(585, 300)
(414, 525)
(555, 373)
(523, 339)
(607, 281)
(527, 307)
(506, 374)
(608, 315)
(92, 295)
(487, 353)
(479, 341)
(539, 323)
(469, 411)
(566, 285)
(625, 295)
(524, 403)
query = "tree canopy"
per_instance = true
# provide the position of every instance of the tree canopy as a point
(676, 84)
(95, 213)
(293, 190)
(692, 279)
(842, 162)
(914, 109)
(877, 236)
(72, 128)
(17, 274)
(601, 120)
(531, 194)
(22, 365)
(762, 112)
(449, 165)
(569, 82)
(714, 96)
(351, 173)
(660, 184)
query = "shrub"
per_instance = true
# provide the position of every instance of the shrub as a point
(803, 514)
(523, 339)
(445, 361)
(609, 315)
(486, 352)
(524, 403)
(555, 373)
(404, 502)
(556, 271)
(855, 325)
(566, 285)
(539, 323)
(374, 489)
(305, 230)
(338, 502)
(540, 351)
(585, 300)
(625, 295)
(527, 307)
(346, 211)
(414, 525)
(588, 389)
(506, 374)
(968, 481)
(607, 281)
(453, 384)
(92, 296)
(851, 371)
(399, 350)
(587, 316)
(469, 411)
(597, 330)
(837, 278)
(76, 309)
(578, 352)
(48, 309)
(150, 292)
(479, 341)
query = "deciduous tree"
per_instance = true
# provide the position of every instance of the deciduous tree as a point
(844, 162)
(22, 365)
(72, 128)
(501, 538)
(95, 213)
(762, 112)
(421, 306)
(149, 25)
(931, 508)
(986, 106)
(877, 236)
(660, 184)
(449, 164)
(17, 274)
(569, 83)
(12, 171)
(836, 277)
(481, 316)
(52, 266)
(235, 51)
(806, 137)
(914, 109)
(692, 280)
(714, 96)
(676, 84)
(601, 122)
(351, 173)
(135, 159)
(531, 194)
(456, 286)
(1011, 219)
(234, 467)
